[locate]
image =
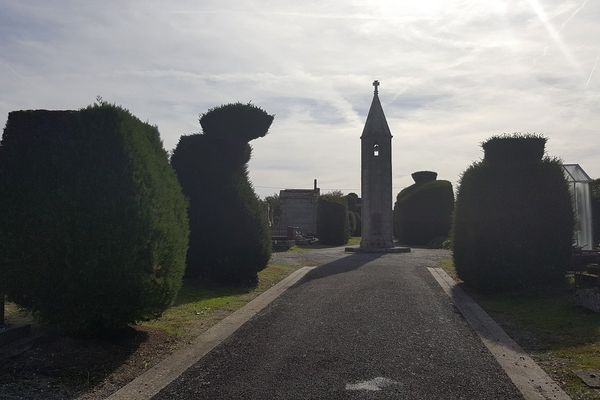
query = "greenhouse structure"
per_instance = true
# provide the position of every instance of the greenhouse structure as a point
(579, 185)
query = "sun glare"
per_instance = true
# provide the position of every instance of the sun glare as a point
(554, 34)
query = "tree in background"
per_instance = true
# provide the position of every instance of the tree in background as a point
(94, 229)
(513, 221)
(230, 238)
(332, 219)
(423, 211)
(354, 213)
(274, 204)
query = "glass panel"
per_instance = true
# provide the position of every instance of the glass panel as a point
(584, 211)
(574, 173)
(567, 171)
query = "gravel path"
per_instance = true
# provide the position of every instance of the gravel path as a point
(358, 327)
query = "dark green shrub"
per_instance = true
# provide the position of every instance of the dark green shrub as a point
(238, 122)
(332, 220)
(274, 206)
(423, 211)
(354, 223)
(94, 231)
(229, 234)
(424, 176)
(354, 213)
(595, 193)
(513, 222)
(508, 149)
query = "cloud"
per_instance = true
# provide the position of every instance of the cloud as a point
(452, 73)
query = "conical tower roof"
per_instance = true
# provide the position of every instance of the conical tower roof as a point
(376, 125)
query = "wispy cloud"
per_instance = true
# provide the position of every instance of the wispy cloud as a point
(554, 34)
(573, 14)
(453, 72)
(592, 72)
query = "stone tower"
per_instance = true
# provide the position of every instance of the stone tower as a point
(376, 179)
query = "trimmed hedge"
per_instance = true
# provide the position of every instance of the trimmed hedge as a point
(332, 220)
(237, 122)
(508, 149)
(230, 240)
(94, 231)
(423, 211)
(424, 176)
(513, 222)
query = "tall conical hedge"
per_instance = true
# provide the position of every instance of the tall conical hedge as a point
(423, 211)
(513, 222)
(93, 228)
(230, 238)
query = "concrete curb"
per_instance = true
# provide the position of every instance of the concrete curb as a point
(156, 378)
(528, 377)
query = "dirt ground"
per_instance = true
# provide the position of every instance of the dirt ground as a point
(61, 367)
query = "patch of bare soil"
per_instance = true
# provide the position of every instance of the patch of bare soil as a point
(59, 367)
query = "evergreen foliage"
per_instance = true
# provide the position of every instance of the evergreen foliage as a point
(354, 214)
(513, 221)
(236, 122)
(274, 203)
(332, 220)
(423, 211)
(94, 231)
(230, 238)
(424, 176)
(517, 147)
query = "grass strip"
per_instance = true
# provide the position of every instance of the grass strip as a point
(196, 303)
(560, 336)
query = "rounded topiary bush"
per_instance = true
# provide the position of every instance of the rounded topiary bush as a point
(424, 176)
(513, 221)
(423, 211)
(236, 121)
(94, 231)
(332, 220)
(230, 239)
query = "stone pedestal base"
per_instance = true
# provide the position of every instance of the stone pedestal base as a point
(395, 249)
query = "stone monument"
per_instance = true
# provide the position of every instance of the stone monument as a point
(376, 182)
(299, 209)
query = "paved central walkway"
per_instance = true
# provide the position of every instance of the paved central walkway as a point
(358, 327)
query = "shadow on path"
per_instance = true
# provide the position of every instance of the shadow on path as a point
(61, 367)
(345, 264)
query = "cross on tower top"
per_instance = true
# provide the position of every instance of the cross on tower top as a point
(376, 84)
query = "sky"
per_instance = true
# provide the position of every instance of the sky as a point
(452, 73)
